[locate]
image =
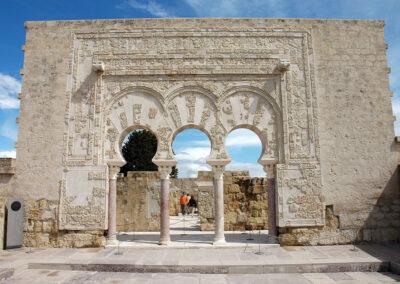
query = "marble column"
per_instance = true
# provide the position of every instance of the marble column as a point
(112, 205)
(219, 235)
(270, 169)
(164, 210)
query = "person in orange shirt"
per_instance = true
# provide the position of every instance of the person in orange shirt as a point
(183, 200)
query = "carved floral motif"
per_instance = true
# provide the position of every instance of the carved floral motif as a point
(206, 114)
(191, 107)
(217, 137)
(176, 117)
(137, 111)
(152, 112)
(227, 107)
(123, 120)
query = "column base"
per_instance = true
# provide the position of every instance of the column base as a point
(164, 242)
(112, 242)
(272, 240)
(219, 241)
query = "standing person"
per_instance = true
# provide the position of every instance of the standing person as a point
(192, 204)
(183, 202)
(187, 203)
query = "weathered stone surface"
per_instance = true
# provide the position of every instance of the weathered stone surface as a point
(315, 91)
(245, 202)
(2, 220)
(7, 166)
(138, 201)
(41, 229)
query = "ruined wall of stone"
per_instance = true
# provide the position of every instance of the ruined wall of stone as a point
(41, 228)
(138, 201)
(245, 203)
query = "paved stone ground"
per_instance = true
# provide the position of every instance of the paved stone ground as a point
(55, 276)
(14, 264)
(185, 232)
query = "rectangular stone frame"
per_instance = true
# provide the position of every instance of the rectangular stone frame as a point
(80, 208)
(298, 173)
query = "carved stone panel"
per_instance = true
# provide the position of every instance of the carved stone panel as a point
(299, 196)
(192, 108)
(83, 193)
(269, 90)
(252, 110)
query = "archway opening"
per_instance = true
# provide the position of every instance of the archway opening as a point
(137, 185)
(245, 189)
(191, 148)
(244, 147)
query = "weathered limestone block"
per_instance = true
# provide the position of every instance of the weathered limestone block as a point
(245, 203)
(41, 228)
(138, 202)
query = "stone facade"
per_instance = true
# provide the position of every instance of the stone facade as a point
(315, 91)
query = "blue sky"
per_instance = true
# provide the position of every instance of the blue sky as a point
(13, 13)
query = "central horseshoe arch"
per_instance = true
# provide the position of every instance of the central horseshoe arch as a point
(182, 107)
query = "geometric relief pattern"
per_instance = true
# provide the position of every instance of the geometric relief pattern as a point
(215, 94)
(83, 198)
(300, 201)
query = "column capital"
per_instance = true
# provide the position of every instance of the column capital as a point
(269, 166)
(164, 171)
(113, 169)
(164, 167)
(218, 171)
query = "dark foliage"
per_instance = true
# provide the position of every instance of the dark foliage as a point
(138, 151)
(174, 173)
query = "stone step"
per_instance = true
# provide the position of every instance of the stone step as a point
(370, 266)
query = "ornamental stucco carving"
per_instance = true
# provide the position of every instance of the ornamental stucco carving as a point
(83, 198)
(270, 91)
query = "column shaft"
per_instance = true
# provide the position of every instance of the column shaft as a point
(219, 236)
(272, 209)
(112, 210)
(164, 221)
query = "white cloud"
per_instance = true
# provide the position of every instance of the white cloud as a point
(9, 88)
(191, 160)
(9, 129)
(255, 170)
(7, 154)
(242, 138)
(237, 8)
(193, 154)
(396, 107)
(150, 6)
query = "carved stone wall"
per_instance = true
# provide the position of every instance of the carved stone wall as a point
(315, 91)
